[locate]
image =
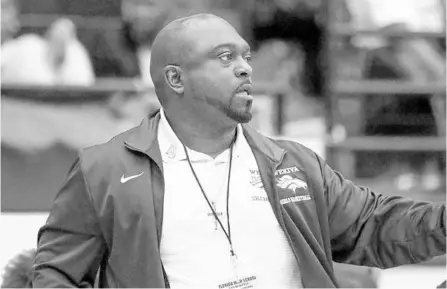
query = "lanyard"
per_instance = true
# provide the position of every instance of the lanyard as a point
(227, 234)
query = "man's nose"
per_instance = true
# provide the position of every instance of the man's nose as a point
(243, 69)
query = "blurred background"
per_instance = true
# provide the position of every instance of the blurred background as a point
(361, 82)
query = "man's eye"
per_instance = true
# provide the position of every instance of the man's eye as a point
(226, 57)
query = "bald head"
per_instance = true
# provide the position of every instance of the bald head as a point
(174, 44)
(200, 67)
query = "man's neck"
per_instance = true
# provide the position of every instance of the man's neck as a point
(203, 137)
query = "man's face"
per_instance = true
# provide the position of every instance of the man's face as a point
(217, 71)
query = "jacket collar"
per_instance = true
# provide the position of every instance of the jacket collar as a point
(263, 144)
(143, 138)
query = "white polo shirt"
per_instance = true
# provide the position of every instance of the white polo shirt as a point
(194, 250)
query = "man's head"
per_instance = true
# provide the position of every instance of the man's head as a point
(59, 35)
(200, 64)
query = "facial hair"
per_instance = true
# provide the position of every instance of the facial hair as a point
(231, 112)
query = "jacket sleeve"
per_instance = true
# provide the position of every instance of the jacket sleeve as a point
(370, 229)
(70, 244)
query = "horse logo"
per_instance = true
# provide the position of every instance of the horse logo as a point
(287, 182)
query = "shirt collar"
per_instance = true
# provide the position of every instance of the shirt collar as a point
(172, 150)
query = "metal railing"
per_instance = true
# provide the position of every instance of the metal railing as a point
(340, 150)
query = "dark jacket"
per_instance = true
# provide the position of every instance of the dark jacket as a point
(98, 222)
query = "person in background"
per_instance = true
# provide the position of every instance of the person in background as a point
(127, 52)
(57, 58)
(295, 22)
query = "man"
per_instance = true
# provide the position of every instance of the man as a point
(195, 198)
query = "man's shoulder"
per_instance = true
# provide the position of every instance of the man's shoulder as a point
(107, 153)
(280, 144)
(24, 40)
(295, 147)
(27, 45)
(302, 153)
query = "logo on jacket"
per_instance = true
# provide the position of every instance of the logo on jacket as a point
(280, 172)
(255, 179)
(126, 179)
(288, 182)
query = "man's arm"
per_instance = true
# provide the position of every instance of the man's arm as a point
(70, 244)
(370, 229)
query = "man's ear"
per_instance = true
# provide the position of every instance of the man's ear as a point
(174, 78)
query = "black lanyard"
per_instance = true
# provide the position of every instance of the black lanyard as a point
(227, 234)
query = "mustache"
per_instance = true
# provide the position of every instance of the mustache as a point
(244, 86)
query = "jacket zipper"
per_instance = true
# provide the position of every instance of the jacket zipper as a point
(282, 224)
(165, 275)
